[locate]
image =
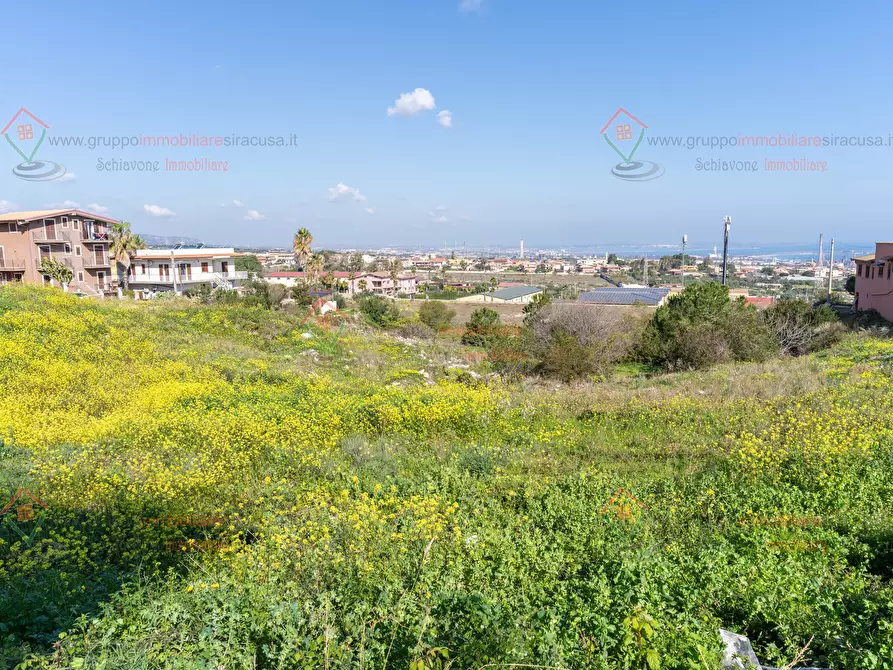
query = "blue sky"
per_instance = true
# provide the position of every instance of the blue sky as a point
(528, 84)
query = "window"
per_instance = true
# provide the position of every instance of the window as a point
(12, 227)
(77, 250)
(858, 269)
(889, 265)
(76, 225)
(204, 267)
(143, 269)
(67, 248)
(81, 276)
(65, 222)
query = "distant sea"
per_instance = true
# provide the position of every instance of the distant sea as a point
(790, 252)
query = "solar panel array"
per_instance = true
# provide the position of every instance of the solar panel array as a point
(625, 296)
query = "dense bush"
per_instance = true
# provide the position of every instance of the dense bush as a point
(436, 314)
(379, 310)
(481, 327)
(800, 328)
(576, 341)
(701, 326)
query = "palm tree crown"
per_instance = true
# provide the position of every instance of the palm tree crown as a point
(301, 246)
(123, 245)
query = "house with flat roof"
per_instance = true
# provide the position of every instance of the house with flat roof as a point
(874, 285)
(158, 270)
(77, 239)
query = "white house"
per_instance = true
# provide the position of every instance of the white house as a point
(155, 270)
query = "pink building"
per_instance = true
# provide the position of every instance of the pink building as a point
(874, 286)
(374, 282)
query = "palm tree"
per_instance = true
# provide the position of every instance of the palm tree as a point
(394, 268)
(313, 268)
(301, 246)
(123, 245)
(350, 278)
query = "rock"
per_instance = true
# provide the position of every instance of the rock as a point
(306, 336)
(739, 652)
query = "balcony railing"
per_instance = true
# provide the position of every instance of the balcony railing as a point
(12, 264)
(185, 278)
(95, 237)
(96, 262)
(43, 236)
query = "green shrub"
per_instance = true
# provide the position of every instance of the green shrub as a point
(480, 327)
(436, 314)
(701, 327)
(800, 328)
(379, 310)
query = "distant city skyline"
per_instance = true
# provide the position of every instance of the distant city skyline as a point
(410, 122)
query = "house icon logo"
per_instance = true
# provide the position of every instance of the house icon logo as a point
(623, 505)
(30, 133)
(325, 318)
(626, 129)
(25, 515)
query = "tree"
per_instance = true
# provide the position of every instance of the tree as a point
(57, 271)
(355, 263)
(532, 308)
(362, 285)
(394, 269)
(800, 328)
(123, 245)
(436, 314)
(301, 246)
(379, 310)
(251, 265)
(493, 284)
(480, 327)
(313, 268)
(850, 284)
(612, 259)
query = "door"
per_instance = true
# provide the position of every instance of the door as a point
(99, 252)
(100, 280)
(224, 267)
(49, 229)
(1, 257)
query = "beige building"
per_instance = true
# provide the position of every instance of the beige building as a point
(79, 240)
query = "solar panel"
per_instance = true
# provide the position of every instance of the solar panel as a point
(624, 296)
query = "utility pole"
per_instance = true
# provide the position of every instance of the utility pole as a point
(830, 270)
(818, 270)
(684, 242)
(727, 225)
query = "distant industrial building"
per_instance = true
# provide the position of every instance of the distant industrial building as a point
(652, 297)
(513, 294)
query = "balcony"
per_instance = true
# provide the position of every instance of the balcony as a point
(94, 262)
(186, 278)
(43, 236)
(94, 237)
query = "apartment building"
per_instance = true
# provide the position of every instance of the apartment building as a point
(157, 270)
(79, 240)
(874, 284)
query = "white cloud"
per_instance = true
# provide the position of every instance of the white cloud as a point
(6, 206)
(97, 209)
(370, 210)
(68, 176)
(440, 208)
(445, 118)
(410, 104)
(238, 203)
(471, 5)
(68, 204)
(441, 219)
(155, 210)
(343, 192)
(254, 215)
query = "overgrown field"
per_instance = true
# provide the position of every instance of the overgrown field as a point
(223, 492)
